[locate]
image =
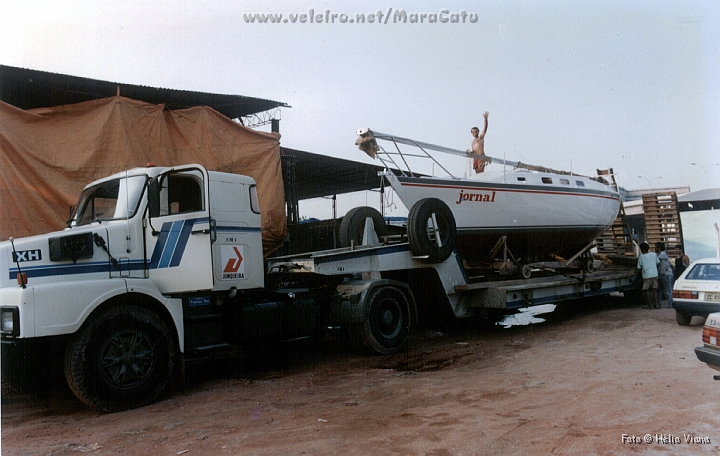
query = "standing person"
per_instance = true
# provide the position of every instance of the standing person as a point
(647, 263)
(478, 145)
(665, 275)
(681, 262)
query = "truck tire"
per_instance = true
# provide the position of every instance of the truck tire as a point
(421, 237)
(120, 359)
(387, 320)
(352, 226)
(683, 318)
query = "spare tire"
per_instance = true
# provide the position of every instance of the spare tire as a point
(431, 229)
(352, 226)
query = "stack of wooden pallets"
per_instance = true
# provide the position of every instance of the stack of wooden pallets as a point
(662, 220)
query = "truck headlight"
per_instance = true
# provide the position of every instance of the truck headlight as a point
(10, 321)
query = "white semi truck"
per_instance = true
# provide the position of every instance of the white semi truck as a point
(159, 265)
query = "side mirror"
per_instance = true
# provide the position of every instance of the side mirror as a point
(154, 197)
(70, 215)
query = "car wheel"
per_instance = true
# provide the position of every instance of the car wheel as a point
(683, 318)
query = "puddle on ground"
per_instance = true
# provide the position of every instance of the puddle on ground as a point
(526, 316)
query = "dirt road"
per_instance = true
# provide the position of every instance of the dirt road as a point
(573, 385)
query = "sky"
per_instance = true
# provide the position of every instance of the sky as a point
(632, 85)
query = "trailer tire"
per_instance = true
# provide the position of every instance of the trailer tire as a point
(525, 271)
(387, 320)
(352, 226)
(683, 318)
(120, 359)
(422, 241)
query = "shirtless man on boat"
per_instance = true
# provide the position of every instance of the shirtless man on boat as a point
(478, 145)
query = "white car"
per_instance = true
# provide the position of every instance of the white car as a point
(710, 351)
(697, 291)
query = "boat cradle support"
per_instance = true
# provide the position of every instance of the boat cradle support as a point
(509, 265)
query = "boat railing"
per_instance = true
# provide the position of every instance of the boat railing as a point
(398, 159)
(367, 142)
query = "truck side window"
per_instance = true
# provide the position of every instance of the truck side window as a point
(181, 193)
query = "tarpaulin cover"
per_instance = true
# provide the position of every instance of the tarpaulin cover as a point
(48, 155)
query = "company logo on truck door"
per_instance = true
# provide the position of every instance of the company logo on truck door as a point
(232, 257)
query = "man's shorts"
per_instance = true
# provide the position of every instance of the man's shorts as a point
(650, 283)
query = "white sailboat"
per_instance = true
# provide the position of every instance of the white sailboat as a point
(538, 211)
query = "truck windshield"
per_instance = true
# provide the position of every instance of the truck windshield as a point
(110, 200)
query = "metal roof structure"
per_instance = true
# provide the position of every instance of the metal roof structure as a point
(319, 175)
(708, 194)
(307, 175)
(29, 89)
(701, 200)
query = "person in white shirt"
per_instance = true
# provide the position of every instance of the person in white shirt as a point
(647, 263)
(665, 275)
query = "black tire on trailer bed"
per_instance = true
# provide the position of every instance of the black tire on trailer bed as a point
(436, 242)
(352, 226)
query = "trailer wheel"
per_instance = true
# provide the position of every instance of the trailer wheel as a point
(121, 359)
(589, 265)
(431, 229)
(352, 226)
(387, 320)
(525, 271)
(683, 318)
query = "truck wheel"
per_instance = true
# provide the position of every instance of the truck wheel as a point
(387, 320)
(121, 359)
(352, 226)
(431, 229)
(683, 318)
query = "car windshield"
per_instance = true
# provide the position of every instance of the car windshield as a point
(704, 271)
(110, 200)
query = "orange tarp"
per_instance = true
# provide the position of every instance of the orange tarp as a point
(48, 155)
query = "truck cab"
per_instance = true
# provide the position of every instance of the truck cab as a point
(152, 250)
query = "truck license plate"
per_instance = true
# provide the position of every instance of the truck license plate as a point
(712, 296)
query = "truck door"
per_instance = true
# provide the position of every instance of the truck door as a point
(237, 249)
(178, 235)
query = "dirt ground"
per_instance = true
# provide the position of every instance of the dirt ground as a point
(576, 384)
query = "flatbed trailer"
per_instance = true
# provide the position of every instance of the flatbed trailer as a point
(465, 295)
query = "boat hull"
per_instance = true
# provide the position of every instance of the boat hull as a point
(538, 213)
